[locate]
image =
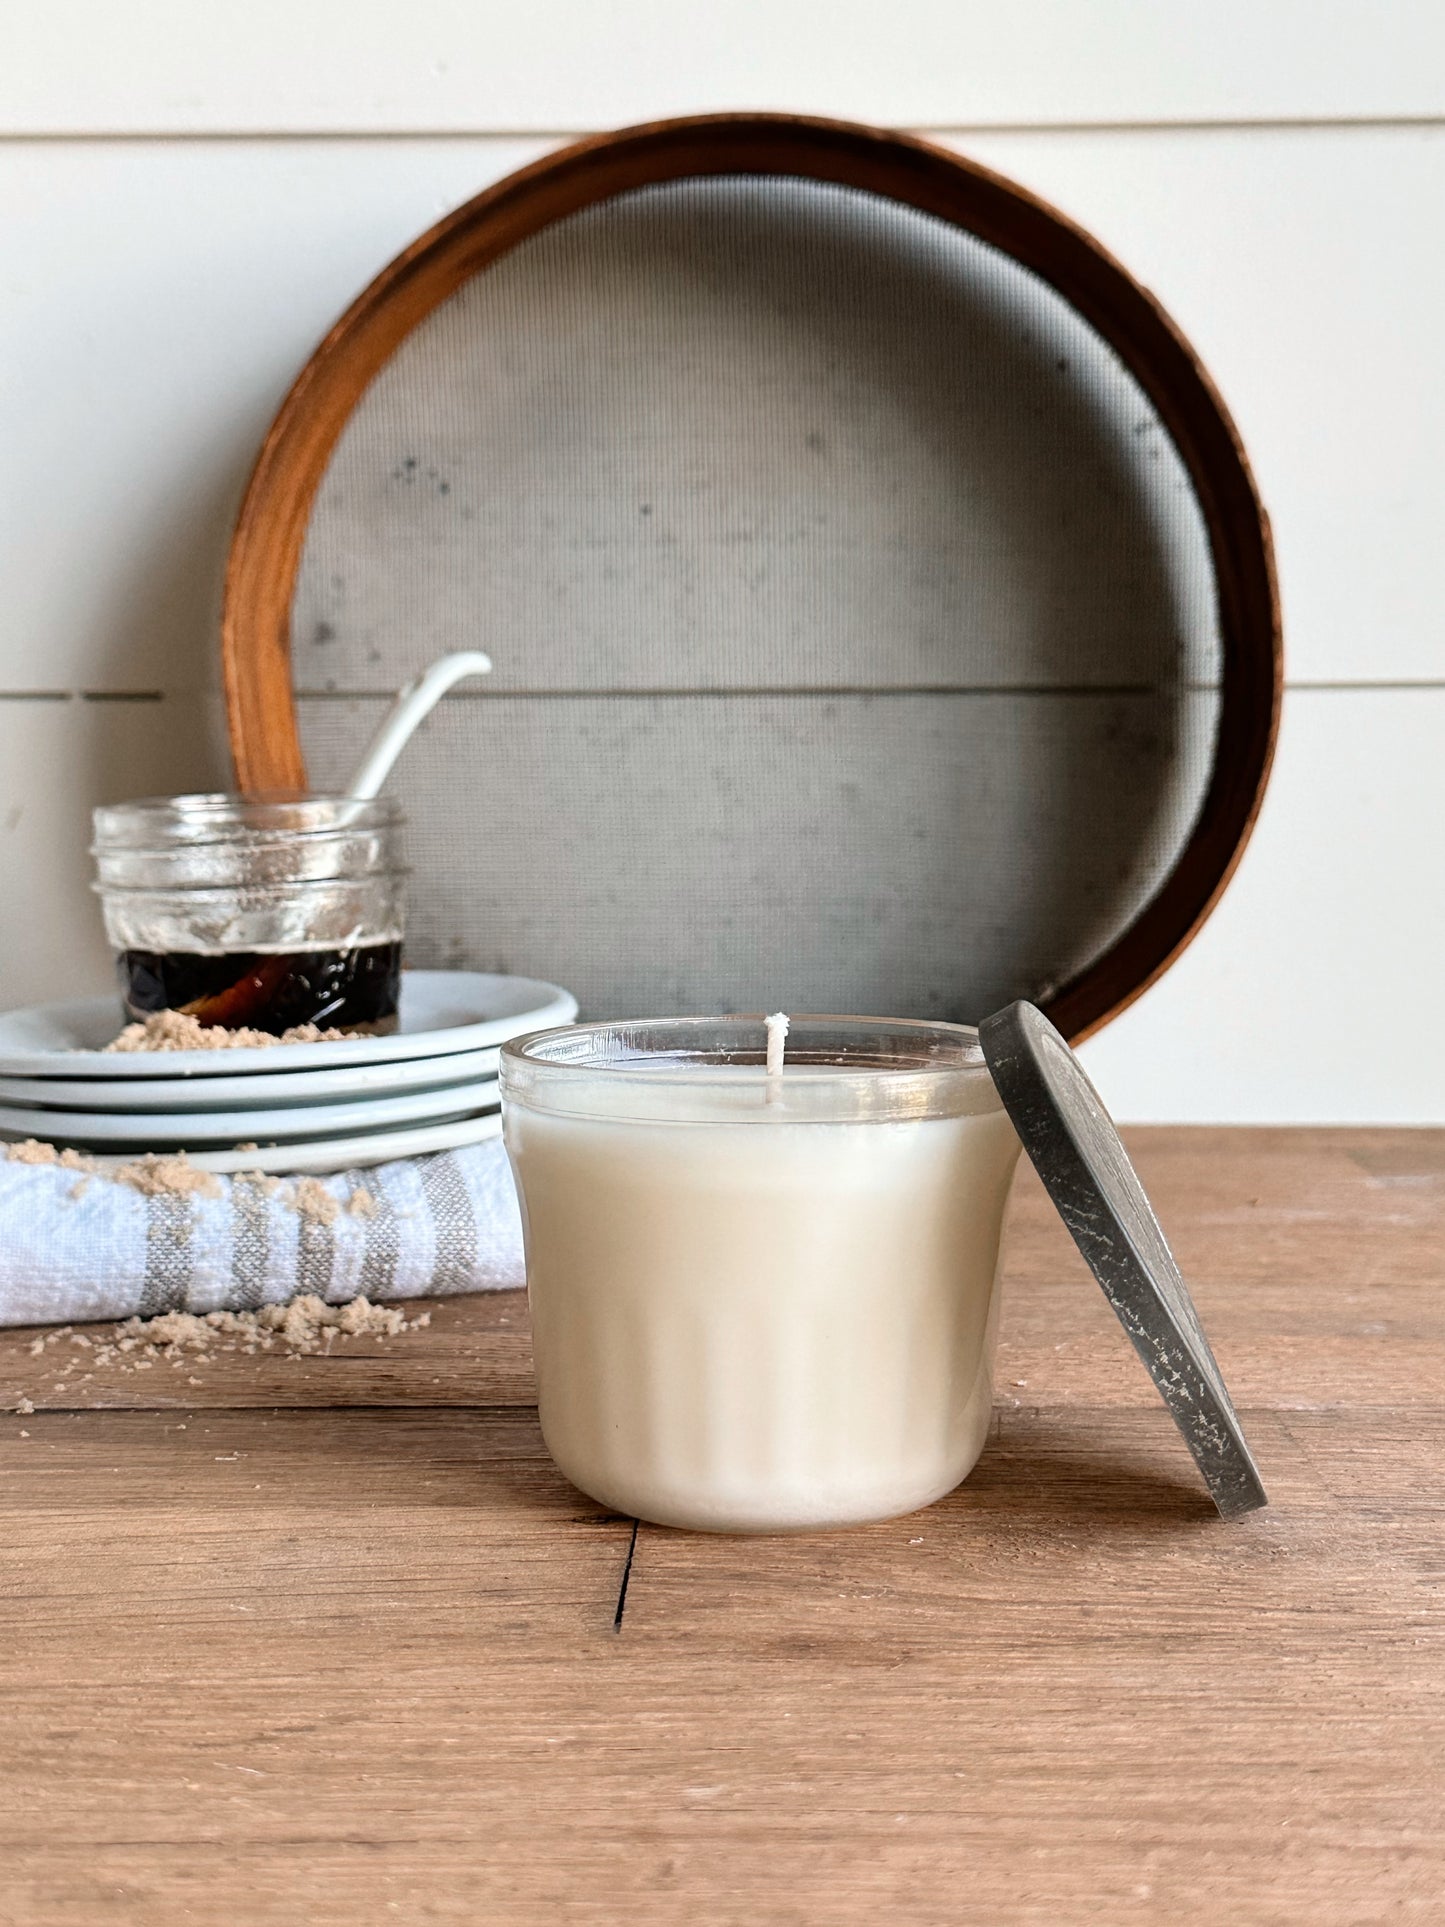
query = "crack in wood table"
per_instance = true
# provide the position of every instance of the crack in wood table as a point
(329, 1640)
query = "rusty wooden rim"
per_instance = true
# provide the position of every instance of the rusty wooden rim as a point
(266, 548)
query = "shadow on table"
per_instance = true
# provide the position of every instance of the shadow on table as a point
(1097, 1469)
(1113, 1479)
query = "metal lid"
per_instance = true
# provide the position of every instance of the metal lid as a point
(1075, 1149)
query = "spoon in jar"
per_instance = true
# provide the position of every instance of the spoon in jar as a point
(414, 701)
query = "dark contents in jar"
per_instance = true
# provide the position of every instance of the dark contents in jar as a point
(273, 991)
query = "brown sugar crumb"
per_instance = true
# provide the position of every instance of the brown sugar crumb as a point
(154, 1173)
(310, 1199)
(150, 1174)
(305, 1324)
(32, 1150)
(46, 1339)
(176, 1030)
(172, 1171)
(262, 1182)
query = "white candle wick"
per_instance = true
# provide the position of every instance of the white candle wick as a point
(777, 1026)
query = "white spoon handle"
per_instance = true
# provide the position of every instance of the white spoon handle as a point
(415, 701)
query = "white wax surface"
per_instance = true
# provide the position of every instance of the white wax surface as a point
(752, 1321)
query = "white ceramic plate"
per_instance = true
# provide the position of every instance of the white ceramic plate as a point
(259, 1091)
(176, 1130)
(442, 1012)
(348, 1153)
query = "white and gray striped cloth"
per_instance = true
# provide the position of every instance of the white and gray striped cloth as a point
(74, 1248)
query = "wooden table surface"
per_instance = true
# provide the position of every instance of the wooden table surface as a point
(330, 1641)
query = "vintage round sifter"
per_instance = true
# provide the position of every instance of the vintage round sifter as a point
(881, 609)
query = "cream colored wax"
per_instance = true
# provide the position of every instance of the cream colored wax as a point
(760, 1319)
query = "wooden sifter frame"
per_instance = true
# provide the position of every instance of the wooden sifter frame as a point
(267, 546)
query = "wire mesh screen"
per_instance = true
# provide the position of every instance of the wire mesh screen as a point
(852, 613)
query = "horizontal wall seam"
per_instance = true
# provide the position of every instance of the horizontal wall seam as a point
(934, 130)
(91, 695)
(643, 694)
(1424, 685)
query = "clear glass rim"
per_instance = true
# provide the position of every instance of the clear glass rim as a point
(837, 1068)
(954, 1046)
(258, 843)
(158, 823)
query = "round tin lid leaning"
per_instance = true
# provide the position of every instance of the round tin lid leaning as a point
(1073, 1145)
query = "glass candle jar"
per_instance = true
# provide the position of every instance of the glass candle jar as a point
(264, 914)
(760, 1300)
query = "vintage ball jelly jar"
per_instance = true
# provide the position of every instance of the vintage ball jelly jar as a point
(264, 913)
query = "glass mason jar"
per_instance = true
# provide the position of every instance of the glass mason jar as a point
(255, 913)
(760, 1301)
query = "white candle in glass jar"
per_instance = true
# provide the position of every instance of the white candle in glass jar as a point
(761, 1300)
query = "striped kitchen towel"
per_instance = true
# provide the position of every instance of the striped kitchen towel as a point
(77, 1244)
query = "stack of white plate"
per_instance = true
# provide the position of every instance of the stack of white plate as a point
(429, 1086)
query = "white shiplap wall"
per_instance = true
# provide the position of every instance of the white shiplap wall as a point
(190, 194)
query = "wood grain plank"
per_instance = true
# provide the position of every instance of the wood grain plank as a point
(163, 295)
(162, 299)
(345, 1666)
(361, 68)
(871, 454)
(57, 761)
(1299, 1000)
(931, 855)
(351, 1659)
(1254, 282)
(475, 1352)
